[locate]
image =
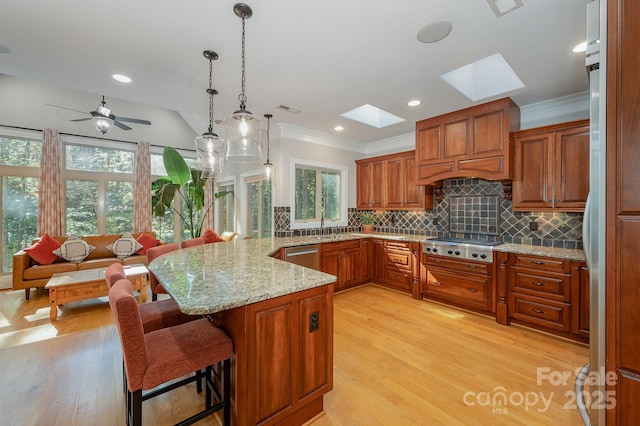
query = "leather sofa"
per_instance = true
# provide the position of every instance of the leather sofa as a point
(27, 274)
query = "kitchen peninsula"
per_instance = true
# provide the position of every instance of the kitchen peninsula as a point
(279, 316)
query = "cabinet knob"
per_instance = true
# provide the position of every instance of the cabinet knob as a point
(472, 290)
(538, 283)
(538, 311)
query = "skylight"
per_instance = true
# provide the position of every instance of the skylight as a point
(372, 116)
(485, 78)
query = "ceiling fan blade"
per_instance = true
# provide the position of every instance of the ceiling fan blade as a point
(122, 126)
(83, 119)
(133, 120)
(70, 109)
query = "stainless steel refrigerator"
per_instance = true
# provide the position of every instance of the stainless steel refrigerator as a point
(593, 236)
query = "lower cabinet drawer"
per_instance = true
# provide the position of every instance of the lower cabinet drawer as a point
(399, 278)
(537, 311)
(459, 288)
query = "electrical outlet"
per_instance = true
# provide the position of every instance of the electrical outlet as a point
(533, 225)
(314, 321)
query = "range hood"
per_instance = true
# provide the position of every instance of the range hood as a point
(471, 143)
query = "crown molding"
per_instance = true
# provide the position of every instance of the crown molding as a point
(289, 131)
(565, 108)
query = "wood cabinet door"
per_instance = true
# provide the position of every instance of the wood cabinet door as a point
(330, 263)
(580, 293)
(571, 174)
(378, 178)
(428, 141)
(350, 267)
(364, 185)
(272, 358)
(366, 259)
(394, 183)
(488, 133)
(415, 197)
(379, 261)
(456, 138)
(533, 180)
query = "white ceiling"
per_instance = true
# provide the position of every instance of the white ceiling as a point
(322, 57)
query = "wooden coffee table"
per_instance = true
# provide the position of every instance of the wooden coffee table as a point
(80, 285)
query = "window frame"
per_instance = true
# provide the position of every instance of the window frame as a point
(343, 171)
(216, 208)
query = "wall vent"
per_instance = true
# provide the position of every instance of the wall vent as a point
(289, 109)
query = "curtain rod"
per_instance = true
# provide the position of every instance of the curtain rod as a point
(81, 136)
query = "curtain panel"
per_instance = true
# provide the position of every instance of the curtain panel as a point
(51, 209)
(142, 215)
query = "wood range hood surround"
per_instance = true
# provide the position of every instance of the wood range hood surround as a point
(475, 142)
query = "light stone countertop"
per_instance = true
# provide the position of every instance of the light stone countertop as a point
(558, 253)
(215, 277)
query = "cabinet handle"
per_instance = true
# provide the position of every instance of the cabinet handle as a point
(537, 262)
(538, 283)
(472, 290)
(436, 261)
(538, 311)
(436, 283)
(474, 266)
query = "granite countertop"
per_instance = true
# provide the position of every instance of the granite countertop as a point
(558, 253)
(216, 277)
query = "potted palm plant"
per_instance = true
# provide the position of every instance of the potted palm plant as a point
(366, 220)
(186, 182)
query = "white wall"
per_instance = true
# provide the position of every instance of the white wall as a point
(23, 104)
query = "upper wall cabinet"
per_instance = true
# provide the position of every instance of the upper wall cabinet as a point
(551, 167)
(473, 142)
(389, 183)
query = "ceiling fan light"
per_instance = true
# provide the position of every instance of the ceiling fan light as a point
(103, 124)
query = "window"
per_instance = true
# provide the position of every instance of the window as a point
(20, 161)
(319, 193)
(259, 207)
(98, 190)
(225, 207)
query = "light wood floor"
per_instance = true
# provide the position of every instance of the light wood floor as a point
(397, 361)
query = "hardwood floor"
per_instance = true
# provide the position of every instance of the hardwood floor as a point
(396, 361)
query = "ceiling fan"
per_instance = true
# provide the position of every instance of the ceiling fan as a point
(104, 118)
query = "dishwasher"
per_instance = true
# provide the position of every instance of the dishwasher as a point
(307, 256)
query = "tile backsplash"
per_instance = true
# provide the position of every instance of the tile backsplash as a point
(470, 208)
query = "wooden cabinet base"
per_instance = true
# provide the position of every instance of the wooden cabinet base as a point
(283, 357)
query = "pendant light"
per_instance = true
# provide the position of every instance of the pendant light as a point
(267, 167)
(242, 128)
(209, 147)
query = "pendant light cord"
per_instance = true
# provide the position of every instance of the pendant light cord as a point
(242, 97)
(210, 92)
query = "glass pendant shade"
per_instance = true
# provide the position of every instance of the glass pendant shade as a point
(243, 137)
(210, 150)
(103, 124)
(267, 170)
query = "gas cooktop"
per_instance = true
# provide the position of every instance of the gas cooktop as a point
(466, 241)
(461, 248)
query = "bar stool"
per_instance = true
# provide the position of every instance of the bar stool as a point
(155, 358)
(153, 253)
(155, 315)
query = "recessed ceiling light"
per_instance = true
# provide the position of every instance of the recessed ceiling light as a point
(121, 78)
(414, 102)
(580, 47)
(338, 128)
(4, 50)
(376, 117)
(485, 78)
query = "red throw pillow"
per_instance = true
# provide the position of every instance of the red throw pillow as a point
(211, 236)
(147, 242)
(41, 251)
